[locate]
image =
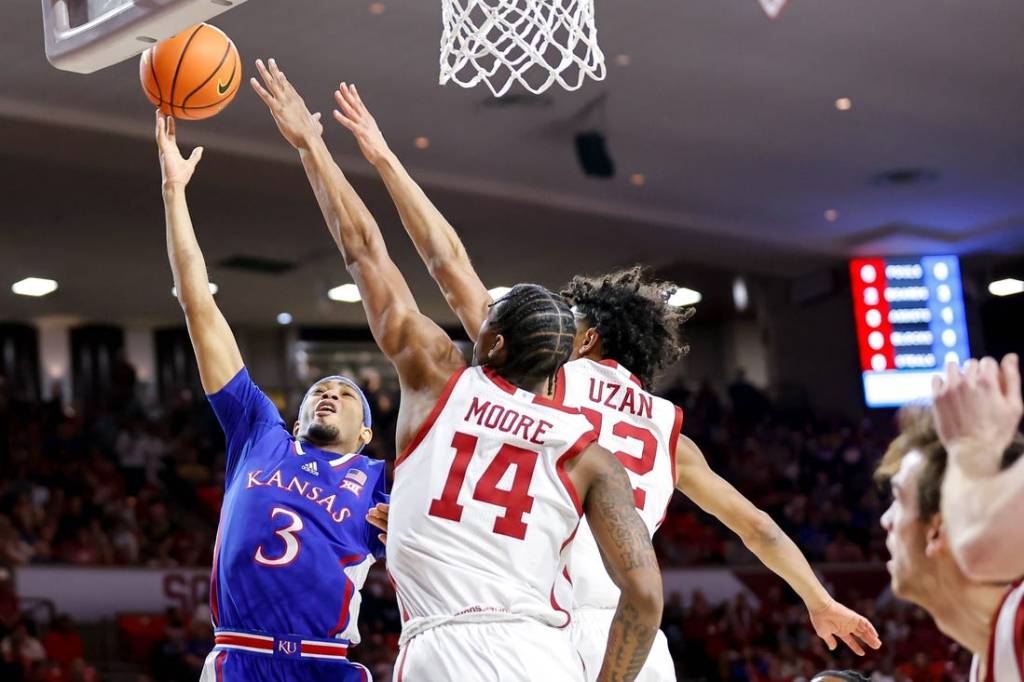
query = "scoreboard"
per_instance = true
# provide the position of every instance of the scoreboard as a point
(910, 323)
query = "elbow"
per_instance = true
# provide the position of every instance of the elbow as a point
(647, 597)
(761, 532)
(195, 305)
(980, 559)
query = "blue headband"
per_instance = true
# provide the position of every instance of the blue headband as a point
(367, 417)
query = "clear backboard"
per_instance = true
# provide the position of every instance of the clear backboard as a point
(87, 35)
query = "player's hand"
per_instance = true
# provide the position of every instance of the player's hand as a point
(354, 116)
(836, 621)
(378, 517)
(175, 170)
(293, 119)
(978, 411)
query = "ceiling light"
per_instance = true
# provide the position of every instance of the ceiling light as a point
(346, 293)
(844, 104)
(638, 179)
(1006, 287)
(623, 60)
(684, 297)
(740, 295)
(498, 292)
(422, 142)
(34, 286)
(284, 318)
(831, 215)
(377, 8)
(213, 290)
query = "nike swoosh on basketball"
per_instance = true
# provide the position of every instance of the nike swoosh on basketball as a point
(223, 87)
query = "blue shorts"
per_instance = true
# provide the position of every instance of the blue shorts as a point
(242, 666)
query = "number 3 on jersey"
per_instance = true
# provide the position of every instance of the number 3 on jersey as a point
(516, 500)
(641, 465)
(291, 543)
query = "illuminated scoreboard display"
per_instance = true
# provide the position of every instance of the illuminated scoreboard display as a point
(910, 323)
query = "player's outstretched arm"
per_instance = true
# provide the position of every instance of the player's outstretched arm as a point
(977, 415)
(436, 240)
(625, 545)
(762, 536)
(420, 350)
(215, 347)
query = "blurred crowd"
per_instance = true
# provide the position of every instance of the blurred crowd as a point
(124, 485)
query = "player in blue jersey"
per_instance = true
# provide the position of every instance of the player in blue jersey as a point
(293, 547)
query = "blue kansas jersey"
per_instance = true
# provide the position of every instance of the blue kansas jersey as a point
(293, 547)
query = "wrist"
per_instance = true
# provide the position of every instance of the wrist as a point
(172, 188)
(385, 161)
(306, 141)
(819, 603)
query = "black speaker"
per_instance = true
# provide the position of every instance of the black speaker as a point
(592, 152)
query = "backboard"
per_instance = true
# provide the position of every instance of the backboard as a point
(87, 35)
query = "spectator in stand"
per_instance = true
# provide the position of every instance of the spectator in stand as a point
(62, 643)
(20, 652)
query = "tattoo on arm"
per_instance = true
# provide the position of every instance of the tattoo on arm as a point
(625, 544)
(611, 502)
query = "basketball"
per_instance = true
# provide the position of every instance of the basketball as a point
(192, 75)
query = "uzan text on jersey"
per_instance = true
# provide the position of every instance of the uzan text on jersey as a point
(628, 400)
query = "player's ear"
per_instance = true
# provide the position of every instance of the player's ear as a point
(590, 340)
(935, 538)
(295, 429)
(497, 349)
(365, 435)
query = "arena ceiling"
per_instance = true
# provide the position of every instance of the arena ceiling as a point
(730, 118)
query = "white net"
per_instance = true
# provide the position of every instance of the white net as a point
(532, 42)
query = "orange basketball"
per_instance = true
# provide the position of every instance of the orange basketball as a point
(192, 75)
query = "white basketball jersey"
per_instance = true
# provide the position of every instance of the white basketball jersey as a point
(642, 430)
(1006, 643)
(482, 510)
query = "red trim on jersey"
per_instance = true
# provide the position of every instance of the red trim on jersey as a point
(565, 571)
(401, 664)
(1018, 631)
(218, 666)
(589, 438)
(608, 362)
(553, 404)
(560, 385)
(398, 597)
(499, 381)
(213, 581)
(677, 430)
(346, 598)
(428, 423)
(990, 657)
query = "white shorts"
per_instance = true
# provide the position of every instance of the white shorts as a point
(521, 651)
(590, 635)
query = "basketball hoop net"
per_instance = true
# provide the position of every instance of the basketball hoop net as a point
(532, 42)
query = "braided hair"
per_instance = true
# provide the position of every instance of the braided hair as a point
(638, 328)
(538, 329)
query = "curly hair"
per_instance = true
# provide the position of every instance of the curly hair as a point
(638, 327)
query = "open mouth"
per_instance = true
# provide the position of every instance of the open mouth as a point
(324, 408)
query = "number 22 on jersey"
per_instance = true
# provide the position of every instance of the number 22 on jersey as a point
(641, 465)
